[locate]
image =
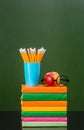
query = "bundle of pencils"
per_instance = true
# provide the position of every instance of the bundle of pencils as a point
(32, 55)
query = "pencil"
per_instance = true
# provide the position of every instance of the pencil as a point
(34, 54)
(29, 54)
(42, 53)
(37, 56)
(24, 55)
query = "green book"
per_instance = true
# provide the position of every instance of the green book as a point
(43, 114)
(30, 124)
(43, 97)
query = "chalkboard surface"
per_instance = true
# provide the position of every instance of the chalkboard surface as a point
(58, 26)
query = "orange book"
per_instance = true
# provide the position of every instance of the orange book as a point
(43, 89)
(43, 103)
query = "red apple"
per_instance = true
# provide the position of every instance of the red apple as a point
(48, 80)
(50, 77)
(53, 74)
(54, 84)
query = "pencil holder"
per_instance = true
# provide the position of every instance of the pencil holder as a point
(31, 73)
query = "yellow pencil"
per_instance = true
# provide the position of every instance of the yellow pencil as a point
(20, 50)
(24, 55)
(42, 54)
(34, 54)
(37, 56)
(30, 55)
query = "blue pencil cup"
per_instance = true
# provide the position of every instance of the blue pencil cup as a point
(31, 73)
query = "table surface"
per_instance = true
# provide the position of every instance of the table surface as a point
(11, 120)
(64, 128)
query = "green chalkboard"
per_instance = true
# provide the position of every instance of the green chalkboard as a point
(58, 26)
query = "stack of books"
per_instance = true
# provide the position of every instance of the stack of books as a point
(43, 106)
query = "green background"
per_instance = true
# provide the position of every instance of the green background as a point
(58, 26)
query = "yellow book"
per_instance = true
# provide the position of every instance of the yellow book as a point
(44, 108)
